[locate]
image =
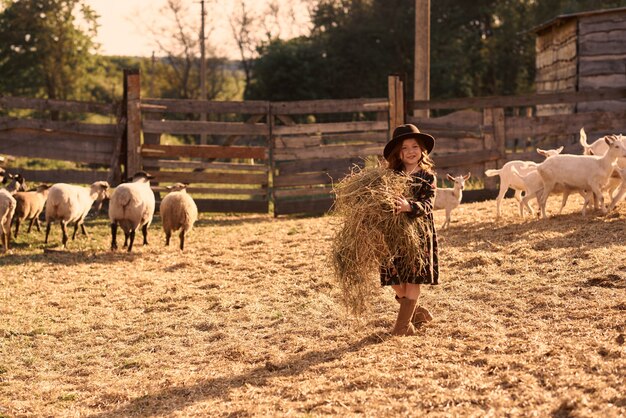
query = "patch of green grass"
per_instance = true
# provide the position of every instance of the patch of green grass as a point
(67, 397)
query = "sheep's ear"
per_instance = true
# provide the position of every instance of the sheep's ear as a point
(542, 152)
(169, 187)
(468, 175)
(449, 177)
(559, 149)
(608, 140)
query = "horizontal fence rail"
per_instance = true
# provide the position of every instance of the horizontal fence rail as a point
(66, 141)
(285, 157)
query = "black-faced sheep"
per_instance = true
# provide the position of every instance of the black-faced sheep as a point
(68, 203)
(132, 206)
(178, 211)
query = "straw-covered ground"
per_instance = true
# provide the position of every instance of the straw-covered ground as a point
(530, 319)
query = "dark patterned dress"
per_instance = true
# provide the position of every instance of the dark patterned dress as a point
(422, 202)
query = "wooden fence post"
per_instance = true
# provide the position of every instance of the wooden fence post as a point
(494, 139)
(396, 102)
(132, 93)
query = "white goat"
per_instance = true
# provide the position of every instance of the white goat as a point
(534, 188)
(69, 203)
(510, 180)
(599, 147)
(178, 211)
(582, 172)
(450, 198)
(132, 206)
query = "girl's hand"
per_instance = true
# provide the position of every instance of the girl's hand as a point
(402, 205)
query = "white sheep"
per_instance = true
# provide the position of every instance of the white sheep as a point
(450, 198)
(510, 180)
(178, 211)
(69, 203)
(29, 207)
(7, 209)
(582, 172)
(132, 206)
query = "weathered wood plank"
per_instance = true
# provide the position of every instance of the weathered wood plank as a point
(311, 206)
(591, 48)
(377, 137)
(607, 106)
(310, 179)
(556, 72)
(298, 141)
(56, 146)
(329, 106)
(604, 36)
(556, 34)
(316, 165)
(209, 128)
(313, 192)
(602, 23)
(210, 178)
(9, 102)
(476, 157)
(329, 151)
(520, 127)
(203, 165)
(522, 100)
(536, 157)
(232, 206)
(61, 176)
(216, 190)
(454, 145)
(203, 106)
(203, 151)
(590, 68)
(324, 128)
(593, 82)
(106, 130)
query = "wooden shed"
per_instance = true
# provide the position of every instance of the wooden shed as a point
(578, 52)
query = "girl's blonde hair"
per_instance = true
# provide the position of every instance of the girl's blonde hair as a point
(394, 162)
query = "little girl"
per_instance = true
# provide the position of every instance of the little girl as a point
(408, 152)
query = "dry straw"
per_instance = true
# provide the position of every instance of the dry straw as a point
(371, 234)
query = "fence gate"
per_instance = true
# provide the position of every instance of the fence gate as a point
(223, 178)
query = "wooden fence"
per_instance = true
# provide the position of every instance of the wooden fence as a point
(283, 157)
(27, 131)
(487, 132)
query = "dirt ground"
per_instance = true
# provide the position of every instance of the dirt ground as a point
(530, 320)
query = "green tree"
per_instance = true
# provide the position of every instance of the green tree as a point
(46, 49)
(478, 48)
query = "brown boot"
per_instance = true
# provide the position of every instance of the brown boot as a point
(403, 324)
(420, 315)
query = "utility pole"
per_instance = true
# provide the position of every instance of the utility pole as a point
(421, 79)
(202, 70)
(152, 62)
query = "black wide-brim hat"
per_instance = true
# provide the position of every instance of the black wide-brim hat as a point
(408, 131)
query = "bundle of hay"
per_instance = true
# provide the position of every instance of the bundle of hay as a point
(371, 234)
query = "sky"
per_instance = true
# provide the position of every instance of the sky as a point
(123, 23)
